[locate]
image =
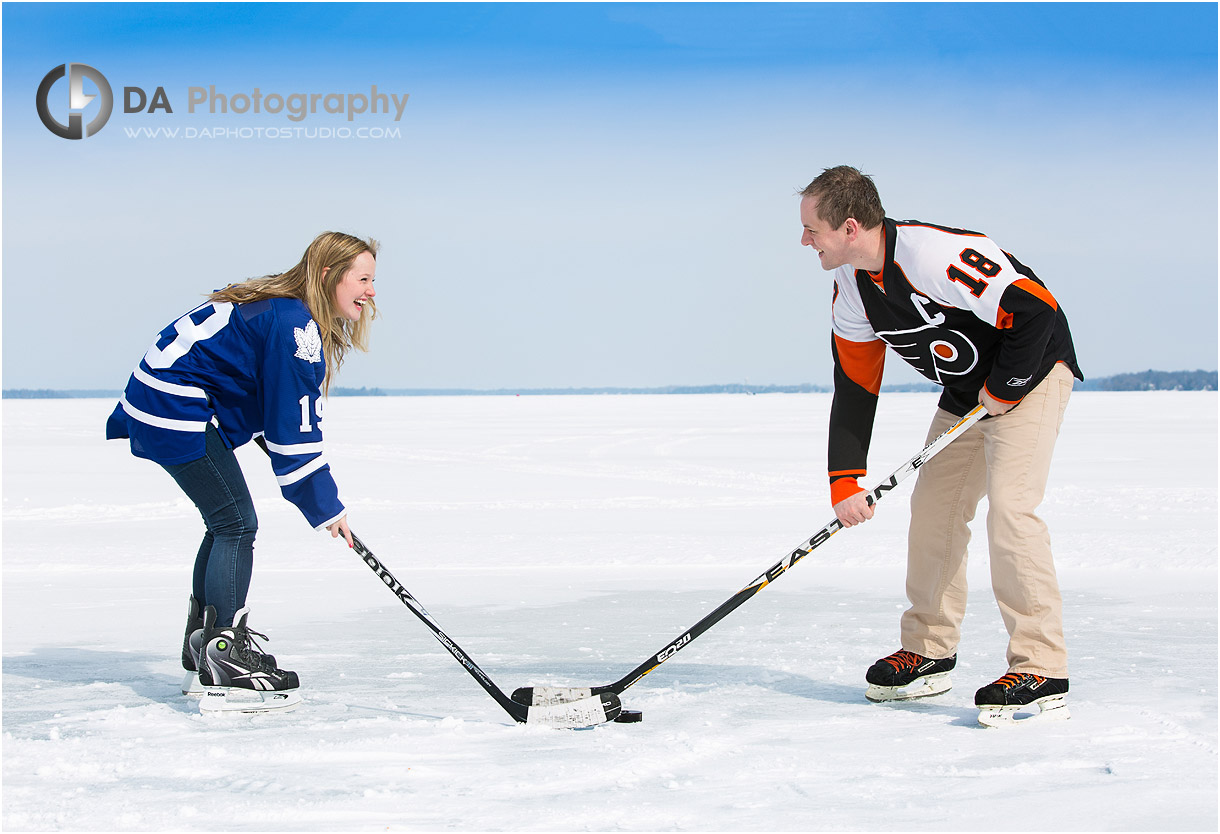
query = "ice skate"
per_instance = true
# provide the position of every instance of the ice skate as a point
(192, 646)
(192, 641)
(905, 676)
(236, 676)
(1009, 700)
(194, 623)
(227, 700)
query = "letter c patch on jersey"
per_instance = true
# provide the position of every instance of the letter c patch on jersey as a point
(309, 342)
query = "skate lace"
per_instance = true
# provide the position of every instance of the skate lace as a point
(1015, 679)
(251, 649)
(903, 660)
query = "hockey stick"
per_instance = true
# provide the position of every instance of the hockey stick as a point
(572, 713)
(542, 695)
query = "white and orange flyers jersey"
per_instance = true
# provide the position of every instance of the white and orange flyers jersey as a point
(953, 305)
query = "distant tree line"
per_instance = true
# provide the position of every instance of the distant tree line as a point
(57, 393)
(1142, 381)
(728, 388)
(1154, 381)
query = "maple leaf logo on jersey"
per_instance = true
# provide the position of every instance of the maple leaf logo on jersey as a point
(309, 342)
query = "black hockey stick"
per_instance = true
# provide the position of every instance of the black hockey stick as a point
(572, 713)
(550, 695)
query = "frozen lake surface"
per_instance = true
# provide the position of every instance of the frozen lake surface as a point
(563, 540)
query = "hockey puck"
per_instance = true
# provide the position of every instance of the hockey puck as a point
(629, 716)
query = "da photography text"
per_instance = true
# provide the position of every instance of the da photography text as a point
(75, 101)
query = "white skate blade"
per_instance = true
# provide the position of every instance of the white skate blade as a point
(586, 712)
(542, 696)
(924, 687)
(191, 687)
(219, 700)
(1051, 708)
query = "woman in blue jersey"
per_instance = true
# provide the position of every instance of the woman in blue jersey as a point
(253, 362)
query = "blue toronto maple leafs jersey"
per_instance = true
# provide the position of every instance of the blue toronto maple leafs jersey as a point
(249, 369)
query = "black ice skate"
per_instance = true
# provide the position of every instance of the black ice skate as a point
(904, 676)
(194, 622)
(192, 642)
(192, 645)
(999, 703)
(235, 675)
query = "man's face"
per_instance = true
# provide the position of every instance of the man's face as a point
(830, 244)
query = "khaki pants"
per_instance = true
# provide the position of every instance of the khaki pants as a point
(1007, 459)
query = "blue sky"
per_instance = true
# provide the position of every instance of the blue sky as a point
(602, 194)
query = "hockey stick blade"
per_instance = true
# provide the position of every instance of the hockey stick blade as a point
(552, 695)
(583, 712)
(577, 713)
(539, 696)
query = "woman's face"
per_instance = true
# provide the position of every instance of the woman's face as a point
(356, 286)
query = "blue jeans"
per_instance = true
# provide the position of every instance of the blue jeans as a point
(225, 558)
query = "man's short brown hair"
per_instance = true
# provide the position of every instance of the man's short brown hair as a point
(844, 192)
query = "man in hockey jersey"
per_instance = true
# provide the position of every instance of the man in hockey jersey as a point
(252, 362)
(971, 317)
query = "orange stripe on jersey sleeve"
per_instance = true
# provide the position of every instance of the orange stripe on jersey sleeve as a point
(998, 399)
(1037, 291)
(1003, 319)
(863, 362)
(843, 488)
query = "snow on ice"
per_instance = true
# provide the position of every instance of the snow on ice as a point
(562, 540)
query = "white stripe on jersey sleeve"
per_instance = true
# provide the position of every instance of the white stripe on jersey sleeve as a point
(169, 387)
(326, 524)
(301, 472)
(162, 422)
(295, 448)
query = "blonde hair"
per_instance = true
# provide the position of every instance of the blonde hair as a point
(313, 281)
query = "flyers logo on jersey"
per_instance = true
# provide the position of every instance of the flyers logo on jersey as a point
(932, 349)
(937, 354)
